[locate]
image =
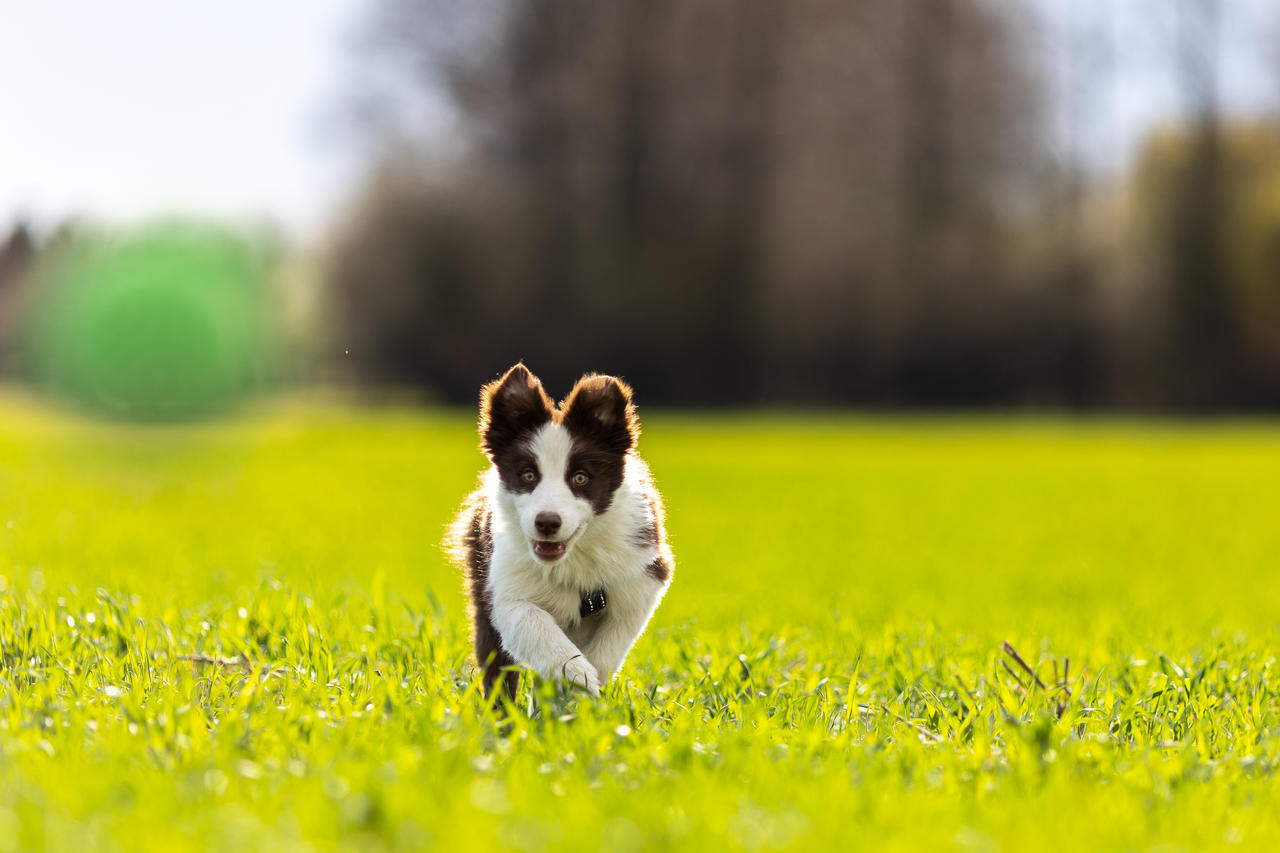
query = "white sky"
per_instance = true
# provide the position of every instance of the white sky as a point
(127, 108)
(130, 108)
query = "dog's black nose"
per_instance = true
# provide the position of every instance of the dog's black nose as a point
(547, 523)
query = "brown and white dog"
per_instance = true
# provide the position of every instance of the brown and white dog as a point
(563, 542)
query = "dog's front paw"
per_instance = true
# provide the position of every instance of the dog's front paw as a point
(578, 670)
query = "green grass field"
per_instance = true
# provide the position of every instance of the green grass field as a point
(246, 636)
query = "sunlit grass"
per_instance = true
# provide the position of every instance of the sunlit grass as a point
(245, 635)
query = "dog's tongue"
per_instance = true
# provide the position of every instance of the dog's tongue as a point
(549, 549)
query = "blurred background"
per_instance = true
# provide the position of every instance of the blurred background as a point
(953, 203)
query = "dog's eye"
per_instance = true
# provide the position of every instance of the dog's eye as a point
(529, 475)
(580, 478)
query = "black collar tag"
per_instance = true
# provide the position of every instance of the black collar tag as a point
(592, 603)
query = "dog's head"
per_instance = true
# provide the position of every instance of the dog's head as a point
(559, 466)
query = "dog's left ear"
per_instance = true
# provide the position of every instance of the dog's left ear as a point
(600, 407)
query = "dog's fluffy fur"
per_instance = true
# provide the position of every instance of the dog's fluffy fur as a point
(566, 509)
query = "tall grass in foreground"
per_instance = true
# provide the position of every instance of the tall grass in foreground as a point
(883, 633)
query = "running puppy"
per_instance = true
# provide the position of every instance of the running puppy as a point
(563, 542)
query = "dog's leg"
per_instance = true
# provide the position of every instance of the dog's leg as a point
(531, 636)
(618, 631)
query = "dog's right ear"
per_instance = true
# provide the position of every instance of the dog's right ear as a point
(511, 407)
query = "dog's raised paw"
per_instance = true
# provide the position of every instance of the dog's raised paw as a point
(578, 670)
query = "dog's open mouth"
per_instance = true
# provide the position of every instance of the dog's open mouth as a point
(550, 551)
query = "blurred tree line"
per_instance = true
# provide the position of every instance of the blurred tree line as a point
(807, 201)
(810, 201)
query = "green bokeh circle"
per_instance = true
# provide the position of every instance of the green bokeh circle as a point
(159, 324)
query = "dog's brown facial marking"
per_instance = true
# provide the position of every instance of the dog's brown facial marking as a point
(517, 468)
(601, 418)
(594, 475)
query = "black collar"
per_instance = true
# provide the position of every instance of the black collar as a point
(592, 603)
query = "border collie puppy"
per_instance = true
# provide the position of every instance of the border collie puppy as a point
(563, 542)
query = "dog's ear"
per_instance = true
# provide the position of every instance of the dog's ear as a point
(600, 408)
(511, 407)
